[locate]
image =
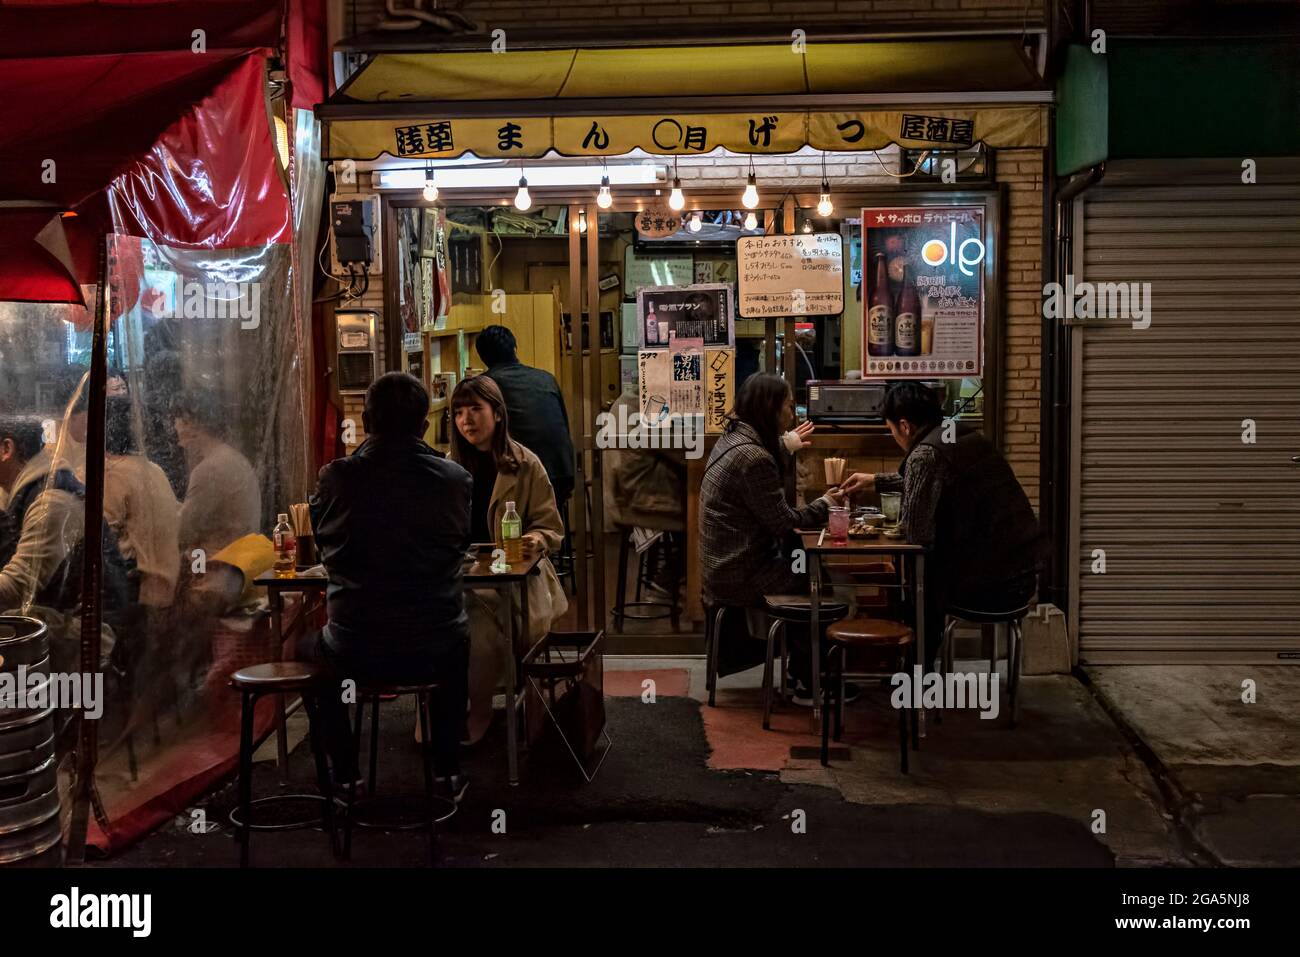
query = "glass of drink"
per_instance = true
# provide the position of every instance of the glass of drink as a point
(838, 524)
(891, 503)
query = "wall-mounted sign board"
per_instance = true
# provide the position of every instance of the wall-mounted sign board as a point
(798, 275)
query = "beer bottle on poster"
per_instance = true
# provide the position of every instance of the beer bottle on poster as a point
(907, 324)
(880, 313)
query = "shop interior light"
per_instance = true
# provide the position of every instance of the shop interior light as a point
(582, 220)
(604, 199)
(807, 226)
(824, 205)
(751, 221)
(522, 200)
(696, 223)
(430, 188)
(676, 201)
(486, 177)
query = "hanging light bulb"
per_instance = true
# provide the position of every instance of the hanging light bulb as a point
(824, 205)
(582, 220)
(807, 226)
(750, 196)
(522, 200)
(751, 221)
(430, 190)
(604, 199)
(676, 201)
(696, 223)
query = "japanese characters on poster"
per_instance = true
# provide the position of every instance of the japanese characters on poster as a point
(797, 275)
(686, 381)
(703, 311)
(923, 291)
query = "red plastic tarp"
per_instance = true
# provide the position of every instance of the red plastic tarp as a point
(36, 263)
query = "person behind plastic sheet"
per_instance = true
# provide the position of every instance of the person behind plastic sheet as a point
(140, 507)
(747, 528)
(962, 501)
(538, 418)
(42, 532)
(504, 470)
(392, 525)
(223, 501)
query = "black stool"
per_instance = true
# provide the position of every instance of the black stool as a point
(279, 677)
(424, 693)
(712, 637)
(791, 608)
(889, 640)
(621, 604)
(1012, 618)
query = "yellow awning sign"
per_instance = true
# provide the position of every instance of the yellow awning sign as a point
(684, 134)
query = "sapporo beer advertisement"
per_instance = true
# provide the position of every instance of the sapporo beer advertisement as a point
(923, 295)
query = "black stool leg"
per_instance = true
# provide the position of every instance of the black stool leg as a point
(426, 753)
(902, 722)
(620, 591)
(675, 563)
(1015, 650)
(838, 681)
(826, 711)
(712, 637)
(374, 745)
(916, 725)
(245, 774)
(352, 784)
(315, 730)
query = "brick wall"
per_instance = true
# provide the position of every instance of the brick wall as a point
(728, 17)
(373, 299)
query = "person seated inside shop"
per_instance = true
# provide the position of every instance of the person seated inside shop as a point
(392, 525)
(962, 501)
(223, 499)
(747, 527)
(42, 530)
(533, 398)
(504, 471)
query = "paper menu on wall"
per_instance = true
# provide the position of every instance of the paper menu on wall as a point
(795, 275)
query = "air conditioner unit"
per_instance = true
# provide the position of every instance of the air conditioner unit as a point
(355, 236)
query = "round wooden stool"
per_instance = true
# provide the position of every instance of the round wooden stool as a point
(892, 641)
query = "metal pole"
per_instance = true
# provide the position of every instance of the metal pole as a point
(92, 612)
(592, 219)
(578, 428)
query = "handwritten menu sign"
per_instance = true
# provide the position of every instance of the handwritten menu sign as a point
(799, 275)
(686, 380)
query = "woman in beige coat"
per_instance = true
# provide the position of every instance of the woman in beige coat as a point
(504, 471)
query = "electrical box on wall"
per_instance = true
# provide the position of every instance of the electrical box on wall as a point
(356, 349)
(355, 236)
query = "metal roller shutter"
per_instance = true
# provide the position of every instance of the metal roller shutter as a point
(1201, 531)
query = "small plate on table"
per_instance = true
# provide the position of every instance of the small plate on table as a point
(892, 531)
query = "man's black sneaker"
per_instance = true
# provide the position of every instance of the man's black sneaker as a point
(456, 785)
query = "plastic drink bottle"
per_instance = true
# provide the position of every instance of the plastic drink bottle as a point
(512, 534)
(286, 547)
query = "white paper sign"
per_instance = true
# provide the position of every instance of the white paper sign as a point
(799, 275)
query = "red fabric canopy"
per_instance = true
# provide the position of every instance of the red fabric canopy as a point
(35, 261)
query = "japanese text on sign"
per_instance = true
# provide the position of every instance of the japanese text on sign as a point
(799, 275)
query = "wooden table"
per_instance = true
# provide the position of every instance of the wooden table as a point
(478, 575)
(817, 545)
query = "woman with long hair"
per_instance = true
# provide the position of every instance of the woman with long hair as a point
(746, 525)
(503, 471)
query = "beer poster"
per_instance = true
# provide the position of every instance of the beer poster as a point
(703, 311)
(923, 292)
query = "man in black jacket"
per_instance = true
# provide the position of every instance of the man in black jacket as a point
(392, 526)
(538, 419)
(963, 502)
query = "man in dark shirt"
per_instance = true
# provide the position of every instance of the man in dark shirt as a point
(962, 501)
(538, 419)
(392, 524)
